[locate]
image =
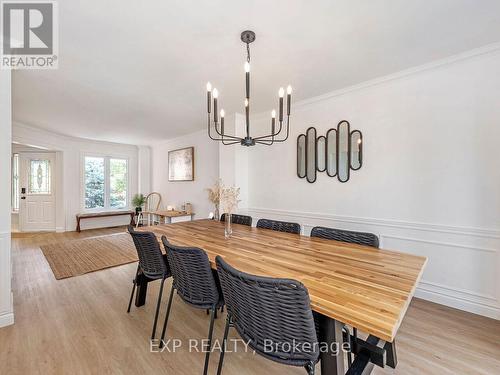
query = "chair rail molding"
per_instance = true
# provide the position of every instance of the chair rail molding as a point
(479, 232)
(464, 262)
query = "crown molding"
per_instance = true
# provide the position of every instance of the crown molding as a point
(32, 128)
(484, 50)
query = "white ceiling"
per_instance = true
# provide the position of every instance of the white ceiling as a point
(135, 71)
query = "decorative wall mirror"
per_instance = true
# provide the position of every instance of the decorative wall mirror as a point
(337, 153)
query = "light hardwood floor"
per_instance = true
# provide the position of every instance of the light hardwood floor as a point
(80, 326)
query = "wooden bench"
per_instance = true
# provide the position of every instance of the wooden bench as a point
(91, 215)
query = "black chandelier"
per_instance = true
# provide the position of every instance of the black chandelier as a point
(248, 37)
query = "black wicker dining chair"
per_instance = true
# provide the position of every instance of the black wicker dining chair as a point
(238, 219)
(360, 238)
(196, 283)
(152, 263)
(281, 226)
(272, 315)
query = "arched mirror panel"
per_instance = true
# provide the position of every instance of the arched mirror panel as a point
(331, 152)
(343, 151)
(321, 153)
(311, 155)
(356, 150)
(301, 156)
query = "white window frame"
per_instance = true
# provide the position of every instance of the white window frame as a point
(107, 189)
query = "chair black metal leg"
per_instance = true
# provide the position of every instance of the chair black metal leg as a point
(133, 290)
(224, 341)
(347, 339)
(167, 315)
(310, 368)
(210, 334)
(157, 309)
(354, 342)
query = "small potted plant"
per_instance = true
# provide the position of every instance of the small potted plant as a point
(138, 201)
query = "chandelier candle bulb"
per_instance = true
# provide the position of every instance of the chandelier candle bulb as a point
(288, 99)
(216, 95)
(222, 113)
(247, 79)
(281, 94)
(273, 122)
(247, 117)
(209, 96)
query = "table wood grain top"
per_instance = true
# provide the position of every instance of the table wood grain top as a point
(367, 288)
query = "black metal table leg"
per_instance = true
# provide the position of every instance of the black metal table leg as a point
(142, 289)
(332, 363)
(392, 359)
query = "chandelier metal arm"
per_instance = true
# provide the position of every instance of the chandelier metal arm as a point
(225, 135)
(280, 140)
(264, 143)
(266, 137)
(270, 135)
(230, 143)
(220, 139)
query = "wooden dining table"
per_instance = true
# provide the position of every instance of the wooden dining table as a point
(366, 288)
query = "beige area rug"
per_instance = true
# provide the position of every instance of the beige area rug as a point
(77, 257)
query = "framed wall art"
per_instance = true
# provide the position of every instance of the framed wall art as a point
(181, 164)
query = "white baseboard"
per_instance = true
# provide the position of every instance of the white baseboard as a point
(489, 311)
(6, 319)
(448, 280)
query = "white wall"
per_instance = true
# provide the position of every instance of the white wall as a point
(430, 181)
(6, 307)
(144, 172)
(206, 156)
(69, 186)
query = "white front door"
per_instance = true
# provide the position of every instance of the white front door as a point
(37, 206)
